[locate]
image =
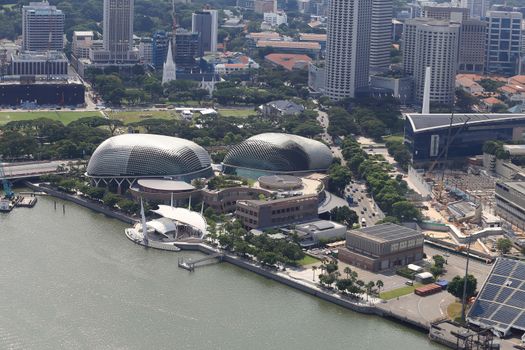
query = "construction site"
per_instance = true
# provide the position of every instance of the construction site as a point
(459, 203)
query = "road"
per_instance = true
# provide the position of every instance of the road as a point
(364, 206)
(14, 170)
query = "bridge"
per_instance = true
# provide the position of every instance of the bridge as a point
(25, 170)
(190, 264)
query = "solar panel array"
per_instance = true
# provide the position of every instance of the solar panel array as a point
(501, 302)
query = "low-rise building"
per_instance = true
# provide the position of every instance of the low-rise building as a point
(510, 202)
(399, 86)
(313, 232)
(257, 214)
(275, 19)
(39, 63)
(313, 49)
(281, 108)
(288, 61)
(316, 77)
(382, 247)
(82, 43)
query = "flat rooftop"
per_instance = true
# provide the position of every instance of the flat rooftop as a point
(425, 122)
(165, 185)
(387, 232)
(518, 186)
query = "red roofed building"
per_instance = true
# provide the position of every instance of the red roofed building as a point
(289, 61)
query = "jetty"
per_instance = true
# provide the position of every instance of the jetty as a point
(190, 264)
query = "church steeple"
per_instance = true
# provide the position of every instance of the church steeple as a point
(169, 71)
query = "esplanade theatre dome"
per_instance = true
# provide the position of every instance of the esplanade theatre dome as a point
(134, 156)
(277, 153)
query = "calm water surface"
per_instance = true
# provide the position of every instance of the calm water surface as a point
(74, 281)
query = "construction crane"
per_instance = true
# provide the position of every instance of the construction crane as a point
(8, 192)
(450, 139)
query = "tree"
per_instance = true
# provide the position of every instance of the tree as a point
(344, 215)
(503, 245)
(405, 211)
(347, 271)
(339, 177)
(314, 268)
(436, 271)
(379, 285)
(110, 199)
(455, 287)
(438, 260)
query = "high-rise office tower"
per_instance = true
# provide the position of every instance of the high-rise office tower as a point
(186, 48)
(160, 45)
(503, 42)
(206, 23)
(472, 46)
(42, 27)
(381, 35)
(477, 8)
(118, 28)
(347, 47)
(432, 43)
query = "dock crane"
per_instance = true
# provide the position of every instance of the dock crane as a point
(8, 192)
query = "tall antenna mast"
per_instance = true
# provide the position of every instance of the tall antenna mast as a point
(173, 17)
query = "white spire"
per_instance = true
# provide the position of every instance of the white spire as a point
(169, 71)
(426, 92)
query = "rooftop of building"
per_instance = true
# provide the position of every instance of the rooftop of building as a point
(318, 226)
(286, 106)
(165, 185)
(83, 33)
(311, 45)
(40, 80)
(272, 202)
(387, 232)
(312, 37)
(39, 56)
(518, 186)
(426, 122)
(287, 60)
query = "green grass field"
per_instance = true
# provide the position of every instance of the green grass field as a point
(135, 116)
(398, 138)
(240, 113)
(398, 292)
(308, 260)
(65, 117)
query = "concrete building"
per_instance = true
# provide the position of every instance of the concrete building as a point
(313, 49)
(445, 12)
(118, 30)
(380, 35)
(348, 47)
(33, 91)
(472, 48)
(401, 87)
(52, 63)
(82, 43)
(503, 42)
(432, 43)
(206, 23)
(246, 4)
(42, 27)
(382, 247)
(275, 19)
(262, 6)
(313, 232)
(477, 8)
(256, 214)
(145, 48)
(281, 108)
(316, 77)
(510, 202)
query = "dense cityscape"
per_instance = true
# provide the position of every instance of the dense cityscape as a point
(367, 154)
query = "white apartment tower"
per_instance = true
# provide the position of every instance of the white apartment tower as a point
(380, 35)
(42, 27)
(118, 28)
(348, 47)
(432, 43)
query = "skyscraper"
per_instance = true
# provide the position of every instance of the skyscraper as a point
(381, 35)
(118, 28)
(477, 8)
(160, 48)
(432, 43)
(472, 46)
(503, 42)
(206, 23)
(42, 27)
(348, 47)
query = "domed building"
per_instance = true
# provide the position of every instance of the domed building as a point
(275, 153)
(121, 160)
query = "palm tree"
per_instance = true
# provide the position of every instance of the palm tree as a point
(348, 271)
(314, 268)
(353, 276)
(369, 286)
(379, 285)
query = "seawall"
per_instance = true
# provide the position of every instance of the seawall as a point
(86, 203)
